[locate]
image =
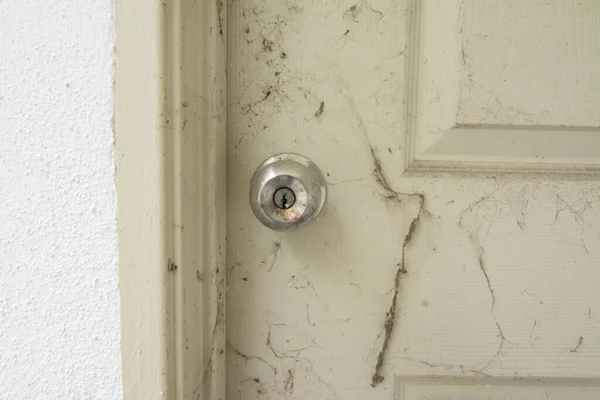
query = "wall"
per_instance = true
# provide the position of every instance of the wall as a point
(59, 326)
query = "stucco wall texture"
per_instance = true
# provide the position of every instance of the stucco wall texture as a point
(59, 322)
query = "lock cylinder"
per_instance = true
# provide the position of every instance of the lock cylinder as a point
(287, 191)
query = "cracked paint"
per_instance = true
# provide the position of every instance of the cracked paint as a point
(249, 358)
(576, 348)
(271, 257)
(288, 385)
(480, 251)
(390, 317)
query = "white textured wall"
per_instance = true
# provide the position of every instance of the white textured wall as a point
(59, 324)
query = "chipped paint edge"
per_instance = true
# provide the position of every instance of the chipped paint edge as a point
(152, 61)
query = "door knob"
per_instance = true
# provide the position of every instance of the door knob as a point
(287, 191)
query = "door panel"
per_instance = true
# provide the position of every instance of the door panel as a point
(422, 275)
(515, 80)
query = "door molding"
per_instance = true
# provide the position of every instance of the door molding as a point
(170, 146)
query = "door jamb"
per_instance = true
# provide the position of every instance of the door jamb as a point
(170, 150)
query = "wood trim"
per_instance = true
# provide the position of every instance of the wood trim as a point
(411, 76)
(547, 149)
(170, 144)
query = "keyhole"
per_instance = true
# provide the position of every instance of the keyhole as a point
(284, 198)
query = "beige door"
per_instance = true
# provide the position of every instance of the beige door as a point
(459, 253)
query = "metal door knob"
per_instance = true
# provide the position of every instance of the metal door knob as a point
(286, 191)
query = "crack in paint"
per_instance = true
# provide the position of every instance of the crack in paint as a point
(248, 358)
(579, 343)
(390, 316)
(309, 365)
(288, 385)
(473, 237)
(274, 253)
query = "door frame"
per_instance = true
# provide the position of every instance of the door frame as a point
(170, 155)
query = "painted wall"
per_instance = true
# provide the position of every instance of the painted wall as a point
(59, 322)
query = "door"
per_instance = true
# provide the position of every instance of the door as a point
(458, 254)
